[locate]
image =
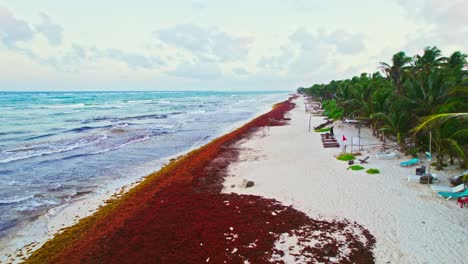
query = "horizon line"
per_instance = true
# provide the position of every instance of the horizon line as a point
(113, 91)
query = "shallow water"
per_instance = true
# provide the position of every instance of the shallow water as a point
(56, 146)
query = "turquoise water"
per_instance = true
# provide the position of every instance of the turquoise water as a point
(56, 146)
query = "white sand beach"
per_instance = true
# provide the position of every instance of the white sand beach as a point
(409, 221)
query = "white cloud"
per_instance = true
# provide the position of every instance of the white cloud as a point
(307, 52)
(198, 5)
(71, 60)
(51, 31)
(207, 44)
(444, 22)
(240, 71)
(132, 59)
(279, 62)
(345, 42)
(13, 30)
(198, 71)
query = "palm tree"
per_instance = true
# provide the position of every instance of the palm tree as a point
(395, 123)
(448, 137)
(395, 71)
(430, 60)
(431, 120)
(455, 66)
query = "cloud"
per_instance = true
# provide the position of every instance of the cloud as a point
(52, 32)
(439, 20)
(207, 44)
(198, 5)
(13, 30)
(279, 62)
(309, 61)
(198, 71)
(132, 59)
(240, 71)
(345, 42)
(307, 52)
(77, 55)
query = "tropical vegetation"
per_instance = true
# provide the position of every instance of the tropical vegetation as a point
(419, 101)
(355, 167)
(373, 171)
(321, 130)
(346, 157)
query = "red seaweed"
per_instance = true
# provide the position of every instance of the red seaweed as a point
(180, 215)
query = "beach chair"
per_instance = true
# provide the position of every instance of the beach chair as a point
(417, 178)
(421, 171)
(449, 195)
(331, 145)
(457, 179)
(410, 162)
(364, 160)
(447, 189)
(462, 201)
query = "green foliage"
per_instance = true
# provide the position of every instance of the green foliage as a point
(434, 164)
(332, 110)
(419, 95)
(465, 178)
(355, 167)
(373, 171)
(346, 157)
(325, 129)
(413, 152)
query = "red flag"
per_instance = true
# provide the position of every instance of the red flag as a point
(344, 138)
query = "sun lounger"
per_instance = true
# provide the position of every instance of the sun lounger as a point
(364, 160)
(410, 162)
(457, 179)
(439, 188)
(326, 136)
(421, 171)
(331, 145)
(417, 178)
(450, 195)
(386, 156)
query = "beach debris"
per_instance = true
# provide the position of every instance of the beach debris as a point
(373, 171)
(247, 183)
(355, 167)
(197, 208)
(346, 157)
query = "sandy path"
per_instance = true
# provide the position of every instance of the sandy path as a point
(411, 224)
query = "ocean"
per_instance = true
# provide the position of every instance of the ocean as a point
(56, 147)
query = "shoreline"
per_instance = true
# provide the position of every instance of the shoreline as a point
(28, 237)
(296, 181)
(181, 208)
(410, 222)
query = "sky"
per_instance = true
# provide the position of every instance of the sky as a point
(214, 44)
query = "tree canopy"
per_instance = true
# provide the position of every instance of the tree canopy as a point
(416, 96)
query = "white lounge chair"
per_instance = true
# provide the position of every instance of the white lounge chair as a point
(439, 188)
